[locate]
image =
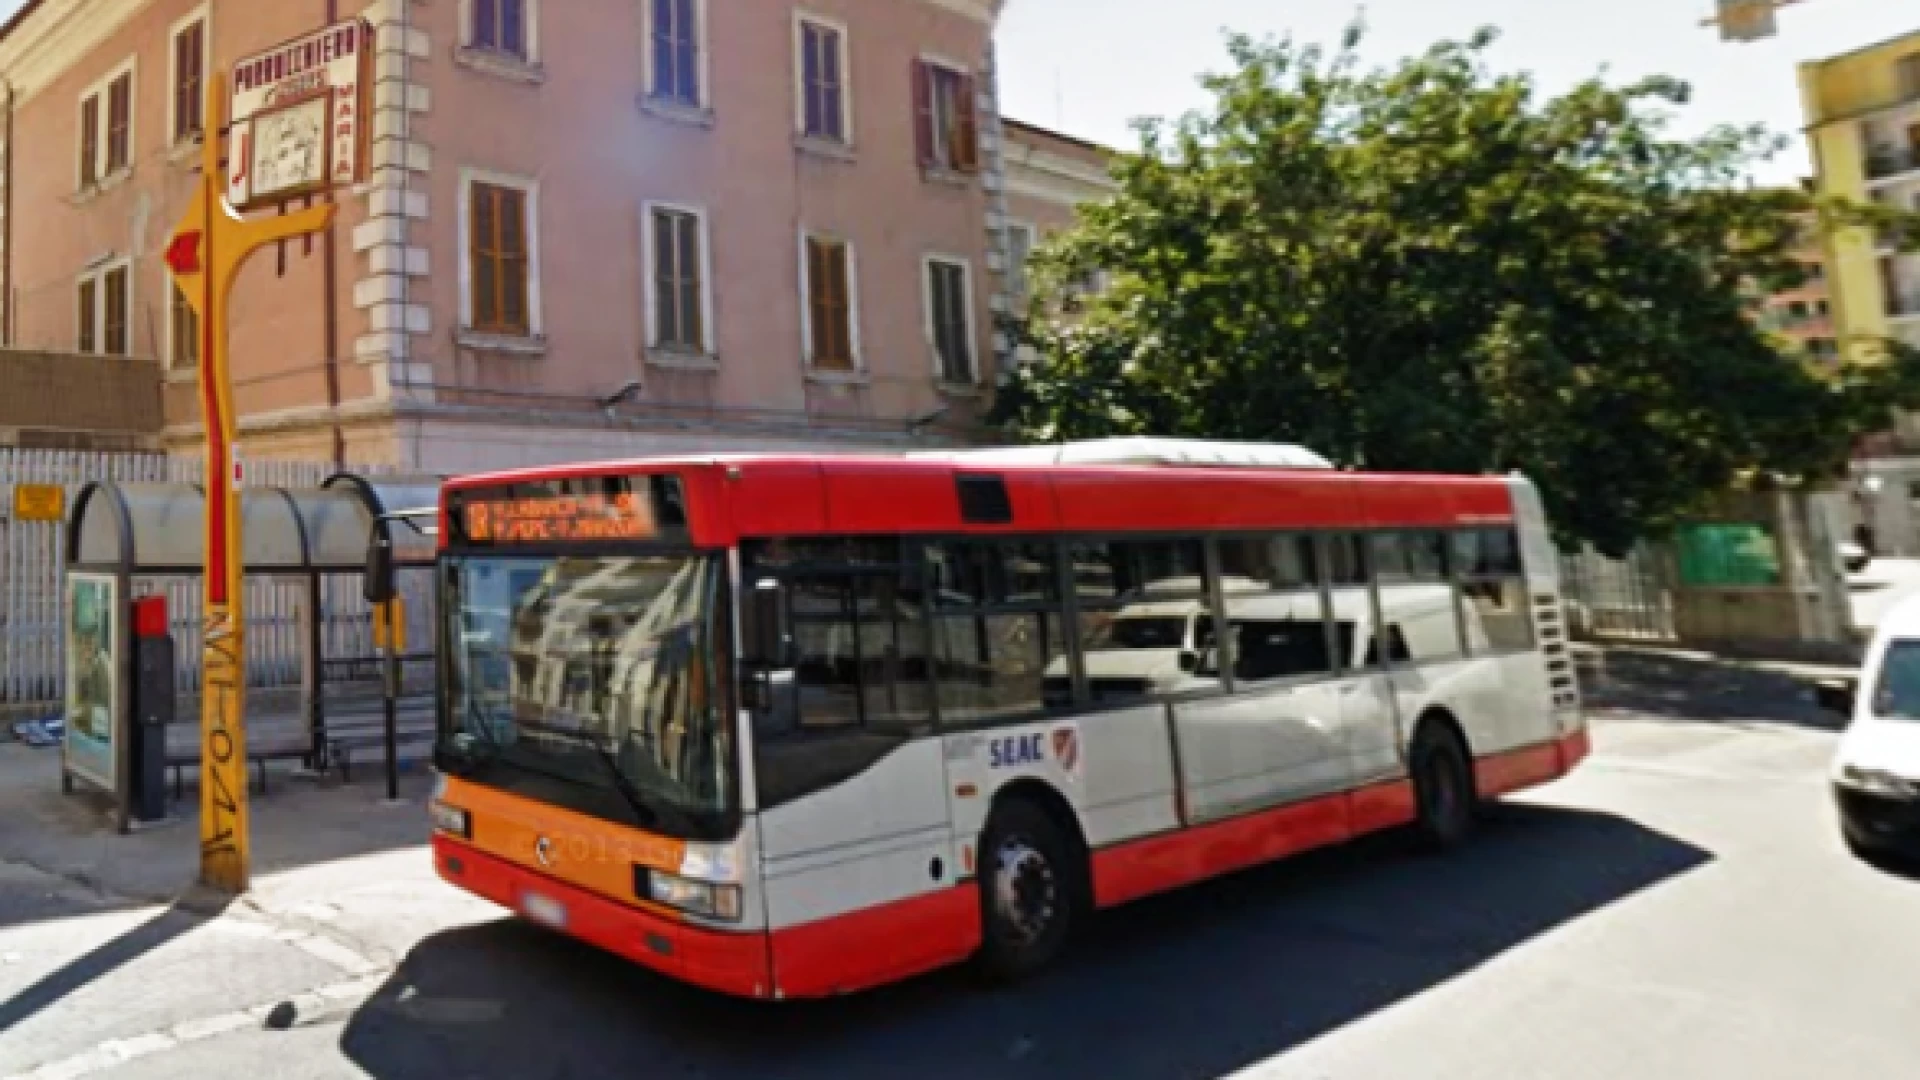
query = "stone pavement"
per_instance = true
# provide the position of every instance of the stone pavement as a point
(108, 952)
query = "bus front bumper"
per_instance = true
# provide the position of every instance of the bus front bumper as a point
(737, 964)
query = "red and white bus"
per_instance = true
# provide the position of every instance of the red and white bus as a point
(792, 726)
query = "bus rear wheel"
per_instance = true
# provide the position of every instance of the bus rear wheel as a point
(1442, 787)
(1027, 897)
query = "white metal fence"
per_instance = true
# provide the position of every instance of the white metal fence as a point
(32, 557)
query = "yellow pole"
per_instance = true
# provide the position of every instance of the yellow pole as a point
(207, 251)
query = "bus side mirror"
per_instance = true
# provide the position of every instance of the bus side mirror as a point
(379, 586)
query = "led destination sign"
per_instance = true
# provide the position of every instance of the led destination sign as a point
(559, 519)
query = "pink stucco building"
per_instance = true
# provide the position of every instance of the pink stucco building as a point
(593, 227)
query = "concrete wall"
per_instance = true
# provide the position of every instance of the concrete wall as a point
(1806, 614)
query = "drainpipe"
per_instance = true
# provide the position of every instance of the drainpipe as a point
(6, 231)
(330, 340)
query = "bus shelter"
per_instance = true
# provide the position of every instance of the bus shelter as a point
(129, 549)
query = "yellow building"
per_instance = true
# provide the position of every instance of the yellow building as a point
(1863, 122)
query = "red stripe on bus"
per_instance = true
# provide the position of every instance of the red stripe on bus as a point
(877, 945)
(1141, 867)
(1381, 806)
(730, 963)
(1498, 774)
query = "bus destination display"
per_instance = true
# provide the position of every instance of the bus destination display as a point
(559, 519)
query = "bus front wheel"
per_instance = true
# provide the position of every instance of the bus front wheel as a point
(1027, 901)
(1442, 786)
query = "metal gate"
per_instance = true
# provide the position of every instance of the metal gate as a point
(33, 561)
(1628, 598)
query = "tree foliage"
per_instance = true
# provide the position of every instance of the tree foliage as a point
(1436, 267)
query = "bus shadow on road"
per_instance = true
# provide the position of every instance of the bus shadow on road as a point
(1196, 983)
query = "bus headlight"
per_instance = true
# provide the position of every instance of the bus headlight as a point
(694, 897)
(450, 819)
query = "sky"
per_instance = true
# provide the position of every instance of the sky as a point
(1088, 67)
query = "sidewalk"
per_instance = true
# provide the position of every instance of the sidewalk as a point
(108, 952)
(1692, 684)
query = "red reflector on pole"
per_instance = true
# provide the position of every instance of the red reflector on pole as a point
(183, 254)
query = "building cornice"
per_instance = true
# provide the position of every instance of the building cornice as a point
(986, 11)
(50, 36)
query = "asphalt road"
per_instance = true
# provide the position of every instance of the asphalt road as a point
(1681, 907)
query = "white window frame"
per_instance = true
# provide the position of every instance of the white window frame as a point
(1018, 285)
(103, 119)
(532, 30)
(927, 262)
(98, 275)
(528, 187)
(853, 304)
(204, 16)
(801, 17)
(964, 72)
(703, 98)
(649, 265)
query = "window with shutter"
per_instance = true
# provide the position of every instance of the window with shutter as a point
(675, 41)
(86, 324)
(500, 26)
(120, 123)
(830, 304)
(822, 81)
(183, 331)
(189, 77)
(497, 255)
(114, 319)
(89, 139)
(950, 320)
(947, 129)
(679, 288)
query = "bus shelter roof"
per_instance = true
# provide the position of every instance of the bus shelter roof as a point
(159, 528)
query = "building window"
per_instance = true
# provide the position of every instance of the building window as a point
(183, 331)
(501, 26)
(830, 307)
(104, 312)
(823, 81)
(950, 319)
(677, 272)
(120, 122)
(947, 128)
(498, 255)
(674, 40)
(189, 78)
(1020, 244)
(89, 139)
(106, 127)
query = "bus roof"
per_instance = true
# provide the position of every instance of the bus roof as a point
(822, 494)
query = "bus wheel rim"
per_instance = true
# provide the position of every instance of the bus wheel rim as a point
(1025, 890)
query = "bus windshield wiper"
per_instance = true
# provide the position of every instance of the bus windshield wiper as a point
(644, 814)
(481, 729)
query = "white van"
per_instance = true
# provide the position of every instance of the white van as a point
(1876, 771)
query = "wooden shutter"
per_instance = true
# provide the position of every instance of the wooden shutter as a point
(923, 125)
(839, 258)
(87, 318)
(117, 343)
(189, 57)
(119, 122)
(90, 140)
(966, 125)
(512, 211)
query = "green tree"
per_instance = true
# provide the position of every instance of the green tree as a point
(1435, 267)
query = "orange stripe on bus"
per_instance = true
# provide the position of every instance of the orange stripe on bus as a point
(584, 851)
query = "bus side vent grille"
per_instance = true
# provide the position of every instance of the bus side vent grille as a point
(983, 500)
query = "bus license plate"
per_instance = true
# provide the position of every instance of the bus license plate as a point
(544, 910)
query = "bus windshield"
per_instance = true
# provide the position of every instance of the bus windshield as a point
(587, 682)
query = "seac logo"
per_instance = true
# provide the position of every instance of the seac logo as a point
(1066, 747)
(1011, 750)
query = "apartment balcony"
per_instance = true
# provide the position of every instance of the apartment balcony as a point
(75, 401)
